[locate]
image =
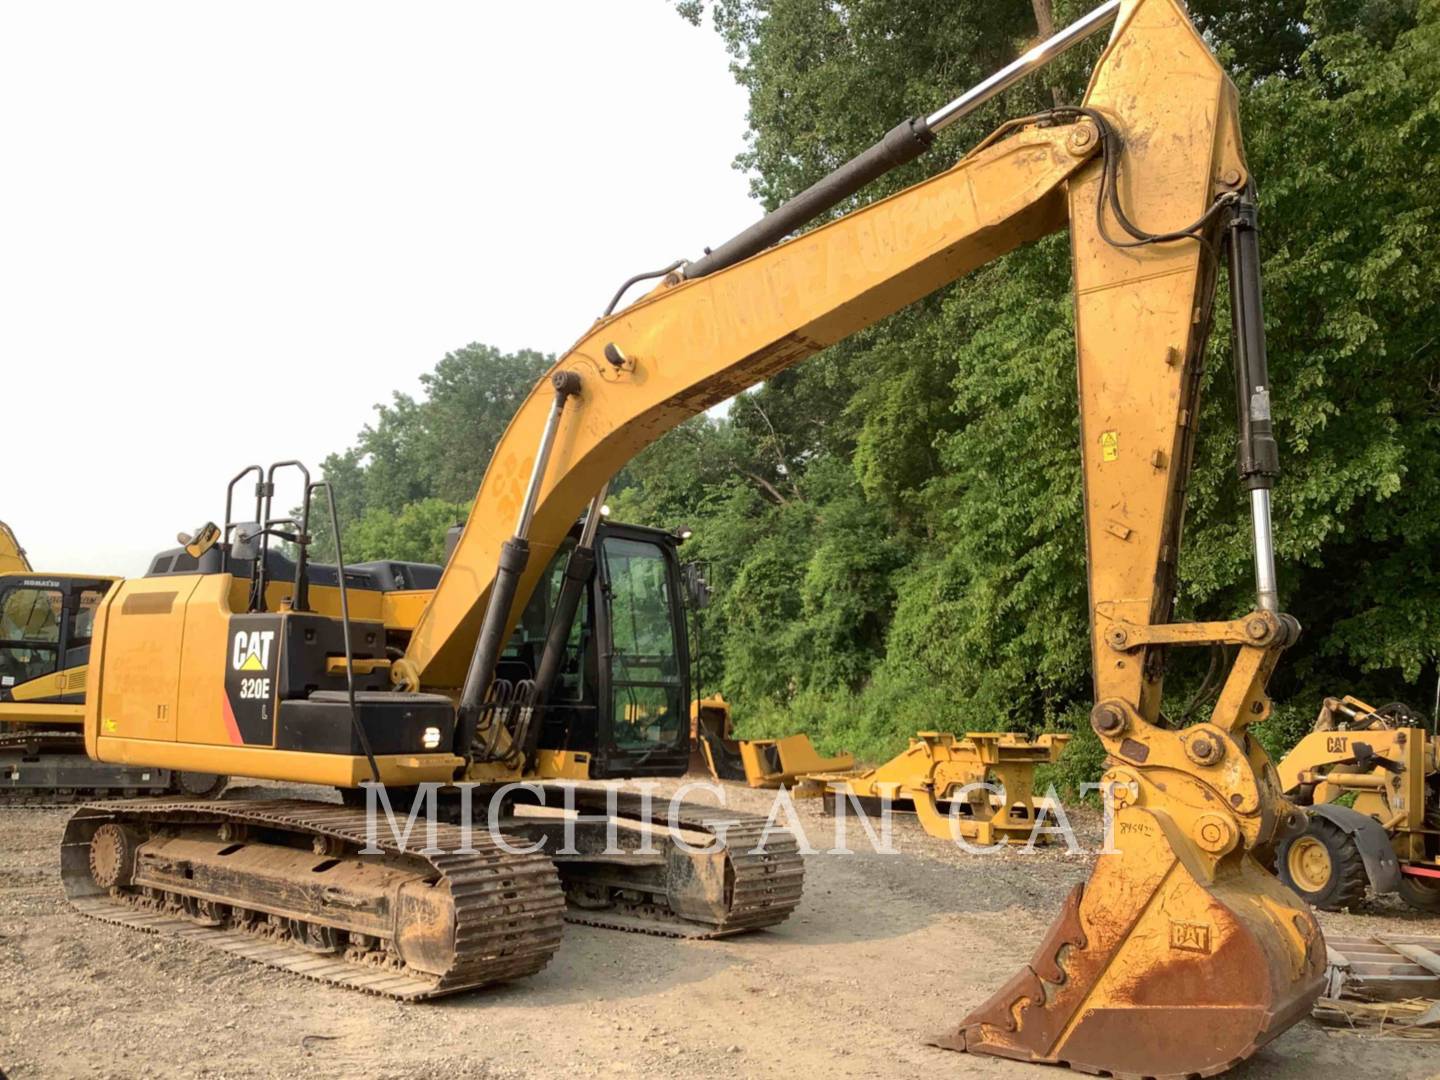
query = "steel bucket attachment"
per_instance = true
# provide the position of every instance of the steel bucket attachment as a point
(1166, 964)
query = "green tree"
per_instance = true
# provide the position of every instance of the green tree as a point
(956, 419)
(431, 451)
(414, 533)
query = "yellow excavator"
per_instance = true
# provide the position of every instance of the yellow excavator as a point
(46, 621)
(1181, 954)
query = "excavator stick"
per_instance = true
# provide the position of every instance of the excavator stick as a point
(777, 763)
(1181, 955)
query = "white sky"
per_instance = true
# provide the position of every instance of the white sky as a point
(226, 231)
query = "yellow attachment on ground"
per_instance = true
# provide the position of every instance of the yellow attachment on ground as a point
(761, 763)
(960, 772)
(775, 763)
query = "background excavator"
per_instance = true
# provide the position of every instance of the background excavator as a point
(46, 621)
(1180, 955)
(12, 555)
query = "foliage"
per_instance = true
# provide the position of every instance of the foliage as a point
(957, 418)
(414, 533)
(430, 452)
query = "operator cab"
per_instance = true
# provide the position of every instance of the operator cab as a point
(45, 628)
(622, 690)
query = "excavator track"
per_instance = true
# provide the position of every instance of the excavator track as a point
(742, 886)
(283, 883)
(50, 769)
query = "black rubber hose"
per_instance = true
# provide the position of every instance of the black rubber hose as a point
(345, 634)
(639, 278)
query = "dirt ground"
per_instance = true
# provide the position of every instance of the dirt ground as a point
(883, 951)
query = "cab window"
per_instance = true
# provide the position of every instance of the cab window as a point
(82, 629)
(645, 666)
(29, 634)
(522, 653)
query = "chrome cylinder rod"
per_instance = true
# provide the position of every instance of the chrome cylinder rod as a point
(1013, 72)
(1267, 596)
(592, 517)
(566, 383)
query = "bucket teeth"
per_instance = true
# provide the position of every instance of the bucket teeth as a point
(1155, 970)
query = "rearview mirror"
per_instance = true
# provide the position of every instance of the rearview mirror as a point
(697, 586)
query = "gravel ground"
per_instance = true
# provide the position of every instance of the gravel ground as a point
(884, 950)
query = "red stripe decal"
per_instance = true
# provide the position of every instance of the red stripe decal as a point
(1419, 871)
(230, 725)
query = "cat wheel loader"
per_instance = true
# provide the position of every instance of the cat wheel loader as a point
(1180, 955)
(1388, 838)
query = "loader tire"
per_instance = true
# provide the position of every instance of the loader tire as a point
(1324, 866)
(1421, 893)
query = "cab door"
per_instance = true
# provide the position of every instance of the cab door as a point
(31, 621)
(644, 724)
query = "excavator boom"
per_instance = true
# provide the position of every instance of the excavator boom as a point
(1182, 954)
(694, 343)
(12, 555)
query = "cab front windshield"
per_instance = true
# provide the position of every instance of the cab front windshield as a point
(29, 634)
(645, 666)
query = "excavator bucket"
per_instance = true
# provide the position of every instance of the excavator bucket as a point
(1156, 968)
(977, 788)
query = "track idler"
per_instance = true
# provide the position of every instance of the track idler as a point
(1167, 963)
